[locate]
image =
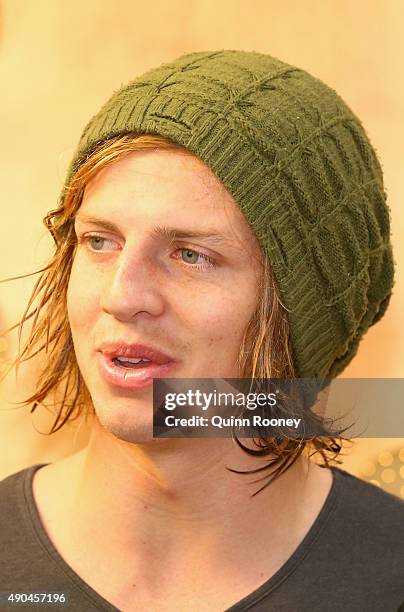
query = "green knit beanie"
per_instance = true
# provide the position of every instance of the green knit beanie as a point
(300, 166)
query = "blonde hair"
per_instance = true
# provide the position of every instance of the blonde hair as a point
(266, 350)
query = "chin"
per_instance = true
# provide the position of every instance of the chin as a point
(134, 432)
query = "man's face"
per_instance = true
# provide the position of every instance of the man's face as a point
(191, 298)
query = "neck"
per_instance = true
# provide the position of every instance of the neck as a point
(171, 503)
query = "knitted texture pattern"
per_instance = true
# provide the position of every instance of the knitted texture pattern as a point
(300, 166)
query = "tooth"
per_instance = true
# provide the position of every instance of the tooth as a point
(131, 359)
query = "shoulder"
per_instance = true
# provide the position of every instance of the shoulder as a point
(367, 516)
(12, 488)
(16, 504)
(368, 495)
(18, 542)
(13, 484)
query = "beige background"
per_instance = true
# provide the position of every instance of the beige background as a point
(61, 59)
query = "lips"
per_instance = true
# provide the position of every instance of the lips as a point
(123, 349)
(137, 377)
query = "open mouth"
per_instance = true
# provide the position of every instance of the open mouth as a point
(131, 363)
(131, 372)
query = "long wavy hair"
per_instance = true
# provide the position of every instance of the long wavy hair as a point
(266, 350)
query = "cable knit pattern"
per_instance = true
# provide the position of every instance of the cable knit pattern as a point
(300, 166)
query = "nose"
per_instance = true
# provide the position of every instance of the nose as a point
(131, 286)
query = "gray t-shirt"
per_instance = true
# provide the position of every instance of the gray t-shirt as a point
(351, 560)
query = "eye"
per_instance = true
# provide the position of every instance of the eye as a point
(189, 256)
(93, 241)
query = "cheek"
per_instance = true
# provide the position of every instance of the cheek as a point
(225, 320)
(82, 299)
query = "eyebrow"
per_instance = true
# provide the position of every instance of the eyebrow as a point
(165, 232)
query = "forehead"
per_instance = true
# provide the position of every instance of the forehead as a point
(172, 170)
(171, 182)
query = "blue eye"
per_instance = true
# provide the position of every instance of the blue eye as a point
(192, 254)
(94, 243)
(96, 240)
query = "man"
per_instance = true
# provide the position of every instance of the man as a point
(159, 255)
